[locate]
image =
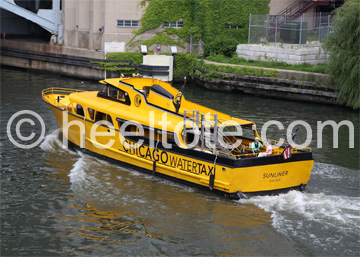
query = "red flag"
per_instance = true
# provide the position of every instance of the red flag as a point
(287, 152)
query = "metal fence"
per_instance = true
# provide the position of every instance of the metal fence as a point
(275, 29)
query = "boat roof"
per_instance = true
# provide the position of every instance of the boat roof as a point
(124, 112)
(134, 86)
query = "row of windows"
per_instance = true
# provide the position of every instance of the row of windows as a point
(114, 93)
(127, 23)
(94, 115)
(100, 116)
(135, 23)
(176, 24)
(232, 26)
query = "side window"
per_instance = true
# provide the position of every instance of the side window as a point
(103, 89)
(121, 95)
(109, 119)
(79, 109)
(147, 91)
(113, 92)
(100, 116)
(105, 117)
(91, 113)
(131, 128)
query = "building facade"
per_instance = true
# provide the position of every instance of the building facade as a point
(92, 24)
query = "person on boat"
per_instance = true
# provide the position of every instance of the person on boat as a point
(79, 110)
(268, 149)
(255, 146)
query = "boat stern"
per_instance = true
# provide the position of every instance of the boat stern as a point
(272, 175)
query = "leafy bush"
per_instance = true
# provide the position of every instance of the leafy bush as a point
(223, 46)
(137, 58)
(184, 65)
(344, 59)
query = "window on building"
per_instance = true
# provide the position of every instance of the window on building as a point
(177, 24)
(127, 23)
(232, 26)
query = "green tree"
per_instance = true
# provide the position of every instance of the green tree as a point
(344, 48)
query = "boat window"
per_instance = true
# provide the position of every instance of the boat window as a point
(103, 88)
(100, 116)
(161, 91)
(79, 110)
(113, 92)
(109, 119)
(131, 128)
(122, 95)
(91, 113)
(119, 123)
(147, 91)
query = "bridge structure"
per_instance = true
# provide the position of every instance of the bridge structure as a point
(49, 19)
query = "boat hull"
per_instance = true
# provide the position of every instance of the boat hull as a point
(233, 178)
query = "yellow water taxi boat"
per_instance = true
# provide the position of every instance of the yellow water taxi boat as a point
(148, 124)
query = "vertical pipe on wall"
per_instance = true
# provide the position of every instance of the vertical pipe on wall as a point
(249, 29)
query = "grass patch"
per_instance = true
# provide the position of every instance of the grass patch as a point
(273, 65)
(212, 71)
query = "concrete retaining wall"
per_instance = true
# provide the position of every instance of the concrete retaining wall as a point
(288, 53)
(286, 74)
(44, 57)
(273, 87)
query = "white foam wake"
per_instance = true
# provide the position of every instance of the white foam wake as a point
(335, 210)
(325, 219)
(77, 173)
(51, 142)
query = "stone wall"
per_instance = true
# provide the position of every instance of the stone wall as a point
(288, 53)
(270, 87)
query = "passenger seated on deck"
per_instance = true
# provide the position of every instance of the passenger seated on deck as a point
(255, 146)
(268, 149)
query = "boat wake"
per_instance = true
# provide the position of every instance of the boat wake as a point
(333, 220)
(53, 144)
(83, 174)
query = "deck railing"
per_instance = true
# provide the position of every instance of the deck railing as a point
(57, 91)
